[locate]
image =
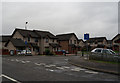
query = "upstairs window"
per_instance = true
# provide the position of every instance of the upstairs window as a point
(47, 40)
(70, 41)
(36, 40)
(28, 38)
(74, 41)
(53, 40)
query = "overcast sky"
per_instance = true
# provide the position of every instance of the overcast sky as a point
(96, 18)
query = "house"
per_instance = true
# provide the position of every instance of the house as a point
(36, 41)
(15, 44)
(3, 40)
(48, 41)
(81, 44)
(97, 42)
(109, 44)
(115, 42)
(68, 42)
(30, 39)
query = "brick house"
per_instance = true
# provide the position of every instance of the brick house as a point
(3, 41)
(97, 42)
(29, 38)
(34, 40)
(115, 42)
(48, 41)
(68, 42)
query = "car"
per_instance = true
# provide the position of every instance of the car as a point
(103, 50)
(24, 52)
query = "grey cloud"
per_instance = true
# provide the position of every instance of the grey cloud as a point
(98, 19)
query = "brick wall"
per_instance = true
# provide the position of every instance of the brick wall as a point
(64, 45)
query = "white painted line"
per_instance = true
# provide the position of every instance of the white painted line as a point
(91, 72)
(23, 61)
(42, 63)
(59, 67)
(10, 78)
(52, 65)
(37, 64)
(12, 60)
(66, 67)
(75, 69)
(27, 61)
(49, 69)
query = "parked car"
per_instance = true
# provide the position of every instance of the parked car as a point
(103, 50)
(24, 52)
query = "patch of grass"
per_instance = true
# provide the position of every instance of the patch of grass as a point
(105, 62)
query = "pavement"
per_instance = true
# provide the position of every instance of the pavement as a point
(96, 66)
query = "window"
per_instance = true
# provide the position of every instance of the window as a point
(98, 51)
(70, 41)
(53, 40)
(47, 40)
(74, 41)
(36, 40)
(28, 38)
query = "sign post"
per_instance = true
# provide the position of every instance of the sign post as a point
(86, 37)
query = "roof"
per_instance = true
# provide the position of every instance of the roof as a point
(26, 33)
(96, 39)
(32, 44)
(17, 42)
(43, 34)
(54, 45)
(80, 40)
(117, 41)
(116, 36)
(65, 36)
(5, 38)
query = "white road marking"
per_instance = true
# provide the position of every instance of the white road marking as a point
(91, 72)
(49, 69)
(23, 61)
(75, 69)
(37, 64)
(52, 65)
(12, 60)
(27, 61)
(66, 67)
(42, 63)
(59, 67)
(47, 66)
(10, 78)
(0, 75)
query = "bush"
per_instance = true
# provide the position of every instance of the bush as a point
(47, 52)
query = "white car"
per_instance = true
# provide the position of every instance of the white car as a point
(25, 52)
(103, 50)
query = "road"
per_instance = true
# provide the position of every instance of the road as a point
(47, 68)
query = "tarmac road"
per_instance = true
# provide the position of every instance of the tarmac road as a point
(47, 68)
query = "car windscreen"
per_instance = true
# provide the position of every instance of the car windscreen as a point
(112, 52)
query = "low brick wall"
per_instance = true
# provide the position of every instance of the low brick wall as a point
(104, 57)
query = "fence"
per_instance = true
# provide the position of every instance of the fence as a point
(104, 57)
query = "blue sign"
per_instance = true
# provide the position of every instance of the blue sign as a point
(25, 42)
(86, 36)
